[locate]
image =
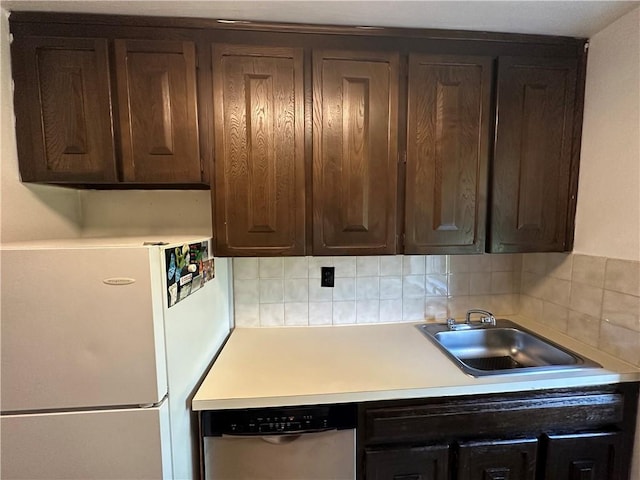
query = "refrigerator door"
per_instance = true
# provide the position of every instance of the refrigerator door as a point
(71, 340)
(196, 328)
(103, 444)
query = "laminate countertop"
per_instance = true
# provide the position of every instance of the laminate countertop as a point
(270, 367)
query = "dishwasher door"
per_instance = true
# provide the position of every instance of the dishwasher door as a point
(326, 455)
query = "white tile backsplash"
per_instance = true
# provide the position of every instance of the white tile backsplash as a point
(593, 299)
(320, 313)
(296, 290)
(413, 286)
(413, 265)
(370, 289)
(391, 266)
(344, 312)
(345, 266)
(271, 314)
(368, 311)
(296, 313)
(296, 267)
(367, 266)
(390, 288)
(271, 267)
(344, 289)
(271, 290)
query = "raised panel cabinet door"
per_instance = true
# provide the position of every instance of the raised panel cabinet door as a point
(259, 190)
(416, 463)
(447, 153)
(63, 111)
(497, 460)
(355, 122)
(588, 456)
(158, 111)
(532, 159)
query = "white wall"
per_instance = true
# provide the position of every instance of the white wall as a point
(608, 212)
(27, 211)
(146, 212)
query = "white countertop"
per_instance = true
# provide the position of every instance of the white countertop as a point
(265, 367)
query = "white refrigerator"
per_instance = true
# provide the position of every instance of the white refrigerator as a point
(97, 369)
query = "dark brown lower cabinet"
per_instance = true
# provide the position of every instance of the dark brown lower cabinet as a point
(564, 434)
(586, 456)
(418, 463)
(498, 460)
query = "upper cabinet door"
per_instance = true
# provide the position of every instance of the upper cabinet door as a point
(259, 191)
(532, 160)
(158, 111)
(447, 153)
(63, 112)
(355, 97)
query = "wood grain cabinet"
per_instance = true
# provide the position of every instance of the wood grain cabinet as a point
(536, 100)
(64, 126)
(587, 456)
(414, 463)
(564, 434)
(355, 153)
(259, 189)
(448, 133)
(498, 460)
(158, 111)
(66, 105)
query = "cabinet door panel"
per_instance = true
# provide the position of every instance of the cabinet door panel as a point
(589, 456)
(63, 110)
(447, 153)
(355, 97)
(498, 460)
(259, 150)
(158, 113)
(532, 161)
(418, 463)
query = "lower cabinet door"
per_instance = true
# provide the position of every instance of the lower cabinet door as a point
(585, 456)
(497, 460)
(417, 463)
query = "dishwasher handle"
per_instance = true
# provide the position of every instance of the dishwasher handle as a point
(279, 439)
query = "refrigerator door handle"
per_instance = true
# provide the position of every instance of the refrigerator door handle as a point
(154, 405)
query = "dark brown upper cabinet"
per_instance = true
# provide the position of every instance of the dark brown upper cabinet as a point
(158, 111)
(63, 112)
(447, 153)
(355, 153)
(64, 99)
(536, 101)
(259, 188)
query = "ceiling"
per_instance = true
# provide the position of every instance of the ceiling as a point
(576, 18)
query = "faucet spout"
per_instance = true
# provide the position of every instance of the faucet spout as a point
(487, 317)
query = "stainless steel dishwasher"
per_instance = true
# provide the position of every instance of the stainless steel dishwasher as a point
(286, 443)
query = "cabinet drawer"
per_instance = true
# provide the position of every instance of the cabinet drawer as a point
(492, 416)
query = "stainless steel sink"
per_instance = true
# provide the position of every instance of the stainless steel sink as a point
(503, 348)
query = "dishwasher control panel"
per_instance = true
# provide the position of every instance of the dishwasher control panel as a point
(278, 421)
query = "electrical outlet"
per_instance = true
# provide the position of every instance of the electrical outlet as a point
(326, 276)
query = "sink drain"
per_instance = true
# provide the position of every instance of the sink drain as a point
(492, 363)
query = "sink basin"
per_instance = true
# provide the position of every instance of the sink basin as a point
(505, 348)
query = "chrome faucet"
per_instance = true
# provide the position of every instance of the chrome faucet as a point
(486, 319)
